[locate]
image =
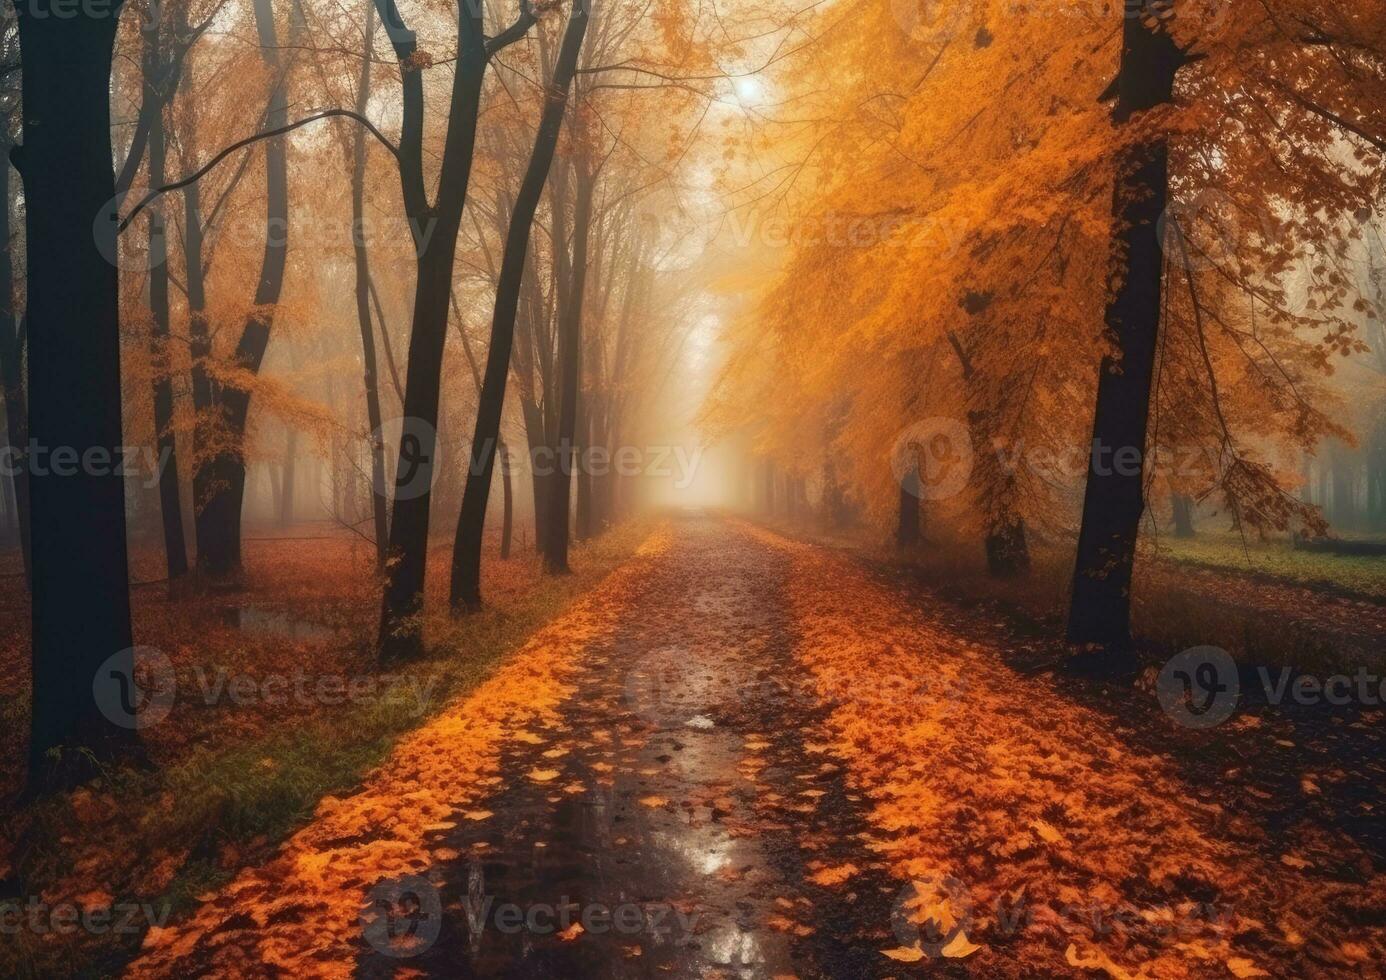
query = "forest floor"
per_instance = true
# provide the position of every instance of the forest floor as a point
(278, 701)
(742, 755)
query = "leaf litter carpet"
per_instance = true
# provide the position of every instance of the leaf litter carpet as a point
(741, 756)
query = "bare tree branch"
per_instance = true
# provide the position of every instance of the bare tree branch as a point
(249, 140)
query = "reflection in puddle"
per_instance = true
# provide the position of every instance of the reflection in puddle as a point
(263, 621)
(734, 947)
(706, 856)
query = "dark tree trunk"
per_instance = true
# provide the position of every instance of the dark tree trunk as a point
(1344, 513)
(570, 371)
(1008, 552)
(286, 488)
(537, 441)
(466, 556)
(434, 228)
(219, 519)
(508, 490)
(15, 453)
(379, 498)
(1183, 516)
(1100, 613)
(907, 531)
(9, 507)
(770, 487)
(833, 503)
(582, 521)
(1376, 478)
(199, 333)
(170, 504)
(81, 603)
(274, 473)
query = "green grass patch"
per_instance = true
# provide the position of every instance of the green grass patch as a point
(1361, 575)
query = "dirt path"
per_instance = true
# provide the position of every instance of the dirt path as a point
(671, 804)
(743, 757)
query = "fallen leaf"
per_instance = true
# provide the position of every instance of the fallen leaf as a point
(833, 876)
(1047, 832)
(959, 947)
(904, 954)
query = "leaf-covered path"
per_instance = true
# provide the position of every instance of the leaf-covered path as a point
(743, 756)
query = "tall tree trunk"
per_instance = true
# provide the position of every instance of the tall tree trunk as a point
(1344, 514)
(1376, 477)
(219, 520)
(286, 493)
(16, 451)
(466, 556)
(1100, 613)
(7, 502)
(508, 519)
(379, 499)
(1183, 516)
(833, 504)
(434, 228)
(539, 482)
(582, 520)
(199, 330)
(570, 370)
(274, 472)
(81, 601)
(1008, 550)
(907, 532)
(170, 504)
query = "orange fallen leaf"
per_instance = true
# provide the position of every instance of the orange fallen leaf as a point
(833, 876)
(959, 947)
(904, 954)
